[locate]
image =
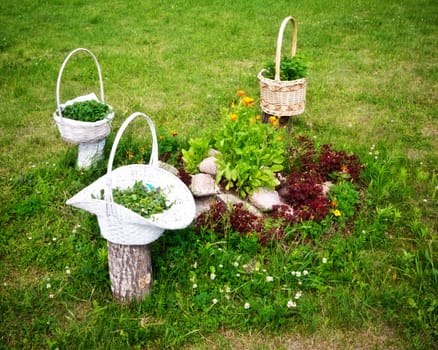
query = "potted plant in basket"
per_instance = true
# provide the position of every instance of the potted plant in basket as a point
(283, 81)
(84, 120)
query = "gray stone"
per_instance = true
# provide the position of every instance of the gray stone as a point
(326, 187)
(208, 166)
(264, 199)
(170, 168)
(203, 204)
(230, 199)
(203, 185)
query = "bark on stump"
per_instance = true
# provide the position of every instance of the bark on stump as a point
(130, 270)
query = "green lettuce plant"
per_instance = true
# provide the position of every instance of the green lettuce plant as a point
(251, 152)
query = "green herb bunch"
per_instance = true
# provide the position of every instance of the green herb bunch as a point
(142, 199)
(251, 152)
(291, 68)
(86, 111)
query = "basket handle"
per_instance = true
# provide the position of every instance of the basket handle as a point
(153, 161)
(58, 82)
(280, 41)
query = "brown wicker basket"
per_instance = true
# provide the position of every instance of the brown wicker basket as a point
(282, 98)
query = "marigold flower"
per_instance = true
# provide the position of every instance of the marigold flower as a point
(344, 169)
(258, 117)
(130, 155)
(272, 119)
(336, 212)
(174, 133)
(333, 203)
(141, 149)
(241, 93)
(247, 101)
(233, 117)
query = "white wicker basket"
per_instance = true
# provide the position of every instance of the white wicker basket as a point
(119, 224)
(282, 98)
(75, 131)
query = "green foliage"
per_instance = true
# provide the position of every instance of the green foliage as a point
(86, 111)
(251, 152)
(141, 198)
(291, 68)
(344, 197)
(198, 150)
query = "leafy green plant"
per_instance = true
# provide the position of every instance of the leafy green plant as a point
(144, 199)
(291, 68)
(198, 150)
(86, 111)
(251, 152)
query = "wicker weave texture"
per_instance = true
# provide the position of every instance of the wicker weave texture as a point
(119, 224)
(75, 131)
(282, 98)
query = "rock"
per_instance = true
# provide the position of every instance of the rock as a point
(326, 187)
(203, 204)
(203, 185)
(213, 152)
(170, 168)
(264, 199)
(230, 199)
(208, 166)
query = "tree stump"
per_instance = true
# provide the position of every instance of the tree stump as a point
(130, 270)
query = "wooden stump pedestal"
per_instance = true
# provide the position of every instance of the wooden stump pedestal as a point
(130, 270)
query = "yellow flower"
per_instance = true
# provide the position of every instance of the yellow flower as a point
(336, 212)
(141, 149)
(251, 120)
(247, 101)
(233, 117)
(161, 137)
(130, 155)
(241, 93)
(174, 133)
(258, 117)
(272, 119)
(280, 138)
(276, 124)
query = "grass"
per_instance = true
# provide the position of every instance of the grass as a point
(372, 91)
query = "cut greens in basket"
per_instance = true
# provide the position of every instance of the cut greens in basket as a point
(141, 198)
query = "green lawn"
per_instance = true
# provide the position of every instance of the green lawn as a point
(372, 90)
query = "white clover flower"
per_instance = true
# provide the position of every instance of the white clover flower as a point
(235, 264)
(214, 301)
(221, 266)
(237, 274)
(298, 274)
(246, 306)
(298, 294)
(194, 286)
(227, 289)
(291, 303)
(324, 260)
(293, 273)
(305, 273)
(68, 272)
(195, 265)
(48, 286)
(51, 296)
(269, 278)
(212, 276)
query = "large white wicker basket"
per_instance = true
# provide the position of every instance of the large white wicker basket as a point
(119, 224)
(280, 97)
(75, 131)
